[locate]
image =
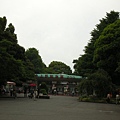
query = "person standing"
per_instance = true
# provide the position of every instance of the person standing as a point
(117, 99)
(31, 92)
(108, 97)
(14, 92)
(73, 92)
(38, 90)
(11, 91)
(25, 92)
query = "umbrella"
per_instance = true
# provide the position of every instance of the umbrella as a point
(11, 83)
(32, 84)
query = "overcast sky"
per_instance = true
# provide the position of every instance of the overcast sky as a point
(59, 29)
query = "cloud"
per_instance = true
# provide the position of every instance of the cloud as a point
(59, 29)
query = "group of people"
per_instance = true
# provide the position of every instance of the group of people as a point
(32, 93)
(2, 90)
(117, 98)
(13, 92)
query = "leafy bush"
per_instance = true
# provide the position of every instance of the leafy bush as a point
(43, 91)
(92, 98)
(44, 86)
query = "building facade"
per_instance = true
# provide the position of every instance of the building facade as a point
(61, 83)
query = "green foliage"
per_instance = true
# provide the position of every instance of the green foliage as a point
(56, 67)
(102, 83)
(102, 49)
(86, 87)
(83, 66)
(107, 55)
(44, 87)
(43, 91)
(118, 68)
(92, 98)
(99, 82)
(10, 67)
(29, 70)
(13, 64)
(34, 57)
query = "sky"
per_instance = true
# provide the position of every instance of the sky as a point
(58, 29)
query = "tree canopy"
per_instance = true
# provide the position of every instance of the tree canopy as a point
(102, 49)
(33, 55)
(107, 50)
(56, 67)
(12, 55)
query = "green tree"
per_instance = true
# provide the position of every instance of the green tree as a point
(12, 55)
(98, 82)
(102, 83)
(107, 51)
(34, 57)
(86, 87)
(56, 67)
(29, 70)
(11, 68)
(84, 65)
(44, 88)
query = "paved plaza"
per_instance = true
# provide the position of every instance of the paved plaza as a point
(56, 108)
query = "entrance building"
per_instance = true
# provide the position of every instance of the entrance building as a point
(62, 83)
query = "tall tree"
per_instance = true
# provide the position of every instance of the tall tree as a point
(29, 70)
(102, 83)
(12, 55)
(56, 67)
(84, 65)
(107, 50)
(34, 57)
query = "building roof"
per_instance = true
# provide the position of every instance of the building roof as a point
(58, 76)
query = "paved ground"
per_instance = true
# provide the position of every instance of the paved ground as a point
(56, 108)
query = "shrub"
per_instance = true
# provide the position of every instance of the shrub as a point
(43, 91)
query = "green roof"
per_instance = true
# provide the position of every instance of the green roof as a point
(58, 76)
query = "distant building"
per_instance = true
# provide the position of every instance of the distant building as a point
(62, 83)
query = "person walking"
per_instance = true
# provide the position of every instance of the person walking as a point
(31, 93)
(35, 95)
(73, 92)
(117, 99)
